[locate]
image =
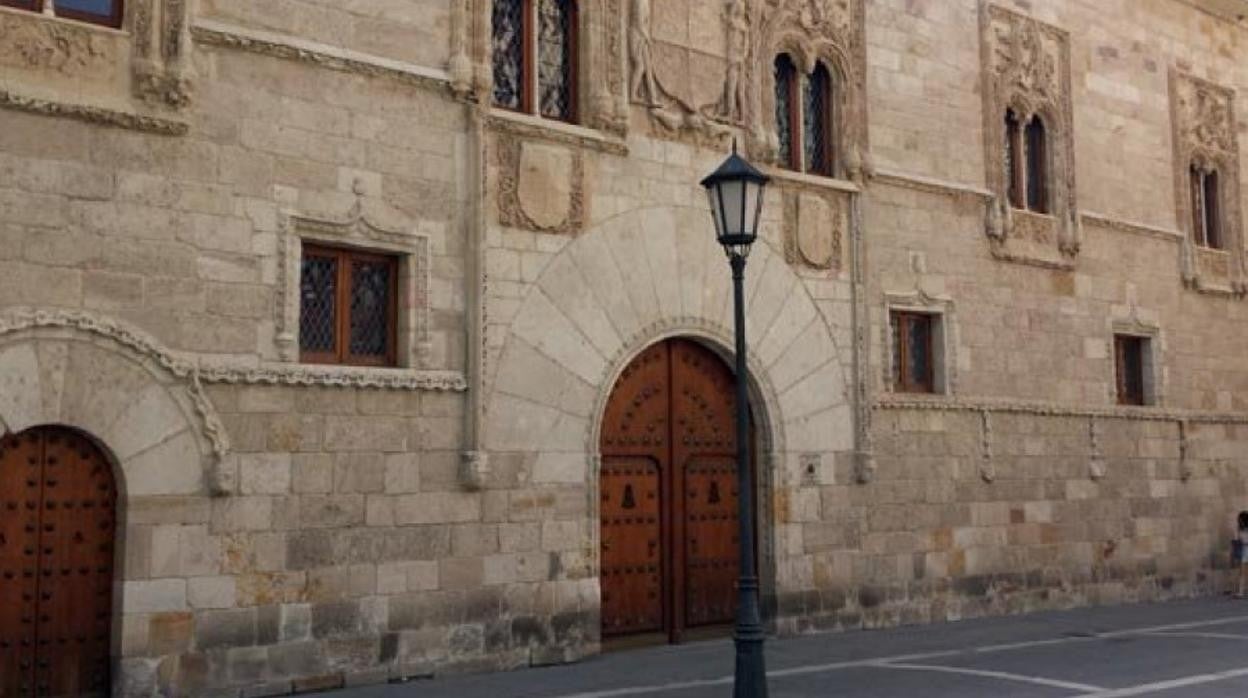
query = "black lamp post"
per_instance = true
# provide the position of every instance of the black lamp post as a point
(735, 191)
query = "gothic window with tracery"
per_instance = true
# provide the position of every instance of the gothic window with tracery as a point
(534, 50)
(1206, 213)
(347, 306)
(105, 12)
(805, 111)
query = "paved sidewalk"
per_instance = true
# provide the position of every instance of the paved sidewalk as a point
(1192, 649)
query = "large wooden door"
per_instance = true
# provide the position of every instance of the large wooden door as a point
(57, 506)
(669, 494)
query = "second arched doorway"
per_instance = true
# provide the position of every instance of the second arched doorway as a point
(57, 522)
(668, 495)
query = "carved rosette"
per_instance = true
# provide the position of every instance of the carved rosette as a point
(810, 31)
(540, 186)
(1026, 68)
(1204, 136)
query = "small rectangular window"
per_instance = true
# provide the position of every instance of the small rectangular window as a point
(348, 307)
(913, 352)
(1130, 358)
(535, 57)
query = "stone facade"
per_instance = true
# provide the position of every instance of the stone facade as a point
(287, 527)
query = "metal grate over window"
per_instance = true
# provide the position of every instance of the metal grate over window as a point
(817, 120)
(509, 52)
(348, 307)
(318, 293)
(554, 58)
(786, 79)
(371, 285)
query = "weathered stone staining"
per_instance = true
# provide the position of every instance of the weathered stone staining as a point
(288, 526)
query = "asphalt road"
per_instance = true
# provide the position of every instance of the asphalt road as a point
(1193, 649)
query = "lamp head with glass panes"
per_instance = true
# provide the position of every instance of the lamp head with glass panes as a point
(735, 192)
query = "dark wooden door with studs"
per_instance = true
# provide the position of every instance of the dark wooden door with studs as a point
(57, 507)
(669, 550)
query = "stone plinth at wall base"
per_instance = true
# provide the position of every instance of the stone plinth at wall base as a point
(871, 607)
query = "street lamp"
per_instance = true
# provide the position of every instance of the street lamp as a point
(735, 191)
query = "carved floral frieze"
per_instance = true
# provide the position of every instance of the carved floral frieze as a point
(1204, 137)
(36, 42)
(1026, 68)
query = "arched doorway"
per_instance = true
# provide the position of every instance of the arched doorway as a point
(668, 495)
(57, 524)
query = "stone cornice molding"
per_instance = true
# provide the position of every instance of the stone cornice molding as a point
(552, 131)
(221, 34)
(928, 185)
(334, 376)
(102, 116)
(1054, 409)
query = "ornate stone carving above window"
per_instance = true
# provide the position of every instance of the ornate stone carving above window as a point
(812, 33)
(1206, 150)
(1026, 74)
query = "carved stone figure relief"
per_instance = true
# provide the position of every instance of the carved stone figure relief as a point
(540, 186)
(1026, 70)
(1204, 136)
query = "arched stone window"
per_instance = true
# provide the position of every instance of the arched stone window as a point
(1037, 166)
(1206, 207)
(805, 117)
(1026, 163)
(534, 54)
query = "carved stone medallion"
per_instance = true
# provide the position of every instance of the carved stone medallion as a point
(813, 223)
(540, 186)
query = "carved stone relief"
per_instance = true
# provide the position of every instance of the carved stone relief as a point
(62, 47)
(666, 78)
(369, 224)
(814, 225)
(161, 74)
(810, 31)
(51, 54)
(1026, 68)
(1204, 136)
(701, 94)
(540, 186)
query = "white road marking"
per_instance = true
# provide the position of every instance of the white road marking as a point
(905, 658)
(1004, 675)
(1211, 636)
(1159, 686)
